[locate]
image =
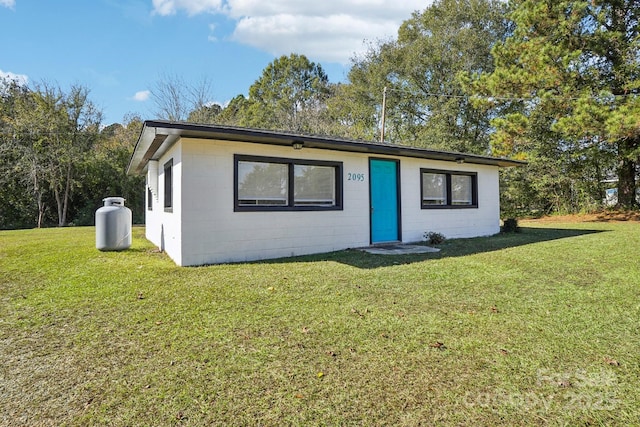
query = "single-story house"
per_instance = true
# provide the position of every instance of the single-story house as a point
(218, 194)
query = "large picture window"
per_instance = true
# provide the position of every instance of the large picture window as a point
(448, 189)
(266, 183)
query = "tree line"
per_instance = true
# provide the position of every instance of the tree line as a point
(551, 82)
(57, 162)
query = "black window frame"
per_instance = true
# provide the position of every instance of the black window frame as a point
(168, 186)
(291, 163)
(448, 203)
(149, 199)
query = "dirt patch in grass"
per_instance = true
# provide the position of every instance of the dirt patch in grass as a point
(604, 216)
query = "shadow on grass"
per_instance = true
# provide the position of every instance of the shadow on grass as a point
(450, 248)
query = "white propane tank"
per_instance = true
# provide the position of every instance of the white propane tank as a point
(113, 225)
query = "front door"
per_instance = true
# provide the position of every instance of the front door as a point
(385, 201)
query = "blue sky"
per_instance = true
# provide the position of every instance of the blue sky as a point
(121, 49)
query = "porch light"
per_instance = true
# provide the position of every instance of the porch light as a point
(297, 145)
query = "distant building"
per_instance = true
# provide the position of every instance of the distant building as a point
(611, 193)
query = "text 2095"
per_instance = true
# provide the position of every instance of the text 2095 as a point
(355, 177)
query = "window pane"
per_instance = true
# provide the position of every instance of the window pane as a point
(461, 193)
(262, 184)
(314, 185)
(168, 184)
(434, 189)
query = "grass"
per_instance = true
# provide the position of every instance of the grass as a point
(533, 328)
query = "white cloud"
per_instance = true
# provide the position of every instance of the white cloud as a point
(192, 7)
(323, 30)
(8, 3)
(21, 79)
(142, 95)
(330, 38)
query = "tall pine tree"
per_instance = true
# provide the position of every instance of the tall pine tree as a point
(570, 73)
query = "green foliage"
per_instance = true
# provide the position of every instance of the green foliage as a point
(104, 174)
(233, 113)
(205, 114)
(564, 91)
(352, 110)
(422, 71)
(434, 238)
(47, 134)
(290, 95)
(510, 225)
(55, 163)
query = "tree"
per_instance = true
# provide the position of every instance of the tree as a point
(354, 108)
(425, 100)
(35, 123)
(49, 133)
(205, 114)
(233, 113)
(104, 173)
(77, 139)
(177, 100)
(290, 95)
(572, 66)
(16, 205)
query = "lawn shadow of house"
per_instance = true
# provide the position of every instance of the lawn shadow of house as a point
(450, 248)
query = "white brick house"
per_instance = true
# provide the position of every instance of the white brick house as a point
(219, 194)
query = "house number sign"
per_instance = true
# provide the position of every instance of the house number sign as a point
(355, 177)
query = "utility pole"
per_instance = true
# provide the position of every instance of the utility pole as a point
(384, 107)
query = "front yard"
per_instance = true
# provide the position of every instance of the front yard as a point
(535, 328)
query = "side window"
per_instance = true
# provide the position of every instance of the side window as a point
(149, 199)
(265, 183)
(168, 186)
(448, 189)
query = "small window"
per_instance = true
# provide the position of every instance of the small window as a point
(265, 183)
(448, 189)
(149, 199)
(168, 186)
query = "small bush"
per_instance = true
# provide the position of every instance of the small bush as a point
(510, 225)
(434, 238)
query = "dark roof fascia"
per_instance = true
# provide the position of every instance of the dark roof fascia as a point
(158, 135)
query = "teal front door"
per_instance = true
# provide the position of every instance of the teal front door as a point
(385, 203)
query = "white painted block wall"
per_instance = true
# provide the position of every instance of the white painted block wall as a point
(452, 223)
(213, 232)
(204, 229)
(164, 229)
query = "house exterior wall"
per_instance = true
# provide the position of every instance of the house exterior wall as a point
(164, 226)
(214, 233)
(451, 222)
(204, 229)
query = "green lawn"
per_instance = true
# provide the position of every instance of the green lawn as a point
(536, 328)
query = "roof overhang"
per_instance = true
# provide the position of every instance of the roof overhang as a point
(157, 136)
